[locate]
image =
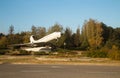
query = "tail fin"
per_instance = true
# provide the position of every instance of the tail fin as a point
(31, 39)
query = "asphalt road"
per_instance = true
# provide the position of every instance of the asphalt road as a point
(58, 71)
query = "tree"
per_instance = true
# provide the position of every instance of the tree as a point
(107, 36)
(1, 35)
(11, 29)
(114, 38)
(93, 30)
(76, 38)
(26, 37)
(68, 38)
(84, 44)
(99, 32)
(40, 32)
(3, 42)
(33, 30)
(10, 36)
(107, 33)
(61, 41)
(84, 40)
(55, 28)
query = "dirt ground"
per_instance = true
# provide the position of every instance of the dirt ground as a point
(56, 60)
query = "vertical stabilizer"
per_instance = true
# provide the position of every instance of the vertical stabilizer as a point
(32, 39)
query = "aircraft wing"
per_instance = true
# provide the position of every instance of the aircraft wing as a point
(25, 44)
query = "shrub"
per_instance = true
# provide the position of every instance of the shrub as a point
(97, 54)
(40, 53)
(23, 52)
(72, 53)
(114, 54)
(2, 52)
(14, 52)
(62, 50)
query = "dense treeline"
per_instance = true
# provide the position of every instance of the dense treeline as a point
(94, 36)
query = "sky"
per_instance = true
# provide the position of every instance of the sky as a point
(22, 14)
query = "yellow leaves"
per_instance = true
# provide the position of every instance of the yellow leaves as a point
(91, 42)
(93, 30)
(3, 42)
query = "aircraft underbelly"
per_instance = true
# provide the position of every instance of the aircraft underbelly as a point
(37, 49)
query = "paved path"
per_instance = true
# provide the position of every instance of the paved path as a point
(58, 71)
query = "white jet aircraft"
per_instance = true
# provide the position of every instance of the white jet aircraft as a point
(54, 35)
(45, 39)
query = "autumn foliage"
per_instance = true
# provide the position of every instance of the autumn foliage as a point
(94, 37)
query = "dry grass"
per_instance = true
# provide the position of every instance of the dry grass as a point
(56, 60)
